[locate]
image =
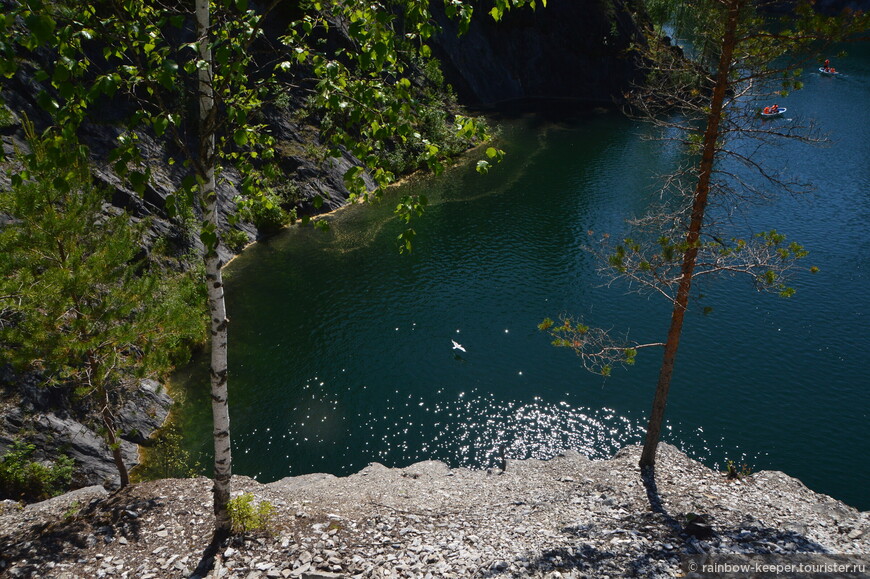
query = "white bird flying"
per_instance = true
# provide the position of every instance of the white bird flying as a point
(457, 346)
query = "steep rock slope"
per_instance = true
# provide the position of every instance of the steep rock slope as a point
(572, 50)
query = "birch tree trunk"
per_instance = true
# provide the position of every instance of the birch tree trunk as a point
(205, 168)
(699, 205)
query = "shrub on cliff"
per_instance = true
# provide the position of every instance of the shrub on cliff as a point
(23, 478)
(82, 305)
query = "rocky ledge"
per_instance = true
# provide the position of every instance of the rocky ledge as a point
(566, 517)
(52, 424)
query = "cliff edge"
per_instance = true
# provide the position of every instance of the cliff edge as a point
(566, 517)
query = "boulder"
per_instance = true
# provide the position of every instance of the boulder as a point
(54, 430)
(144, 412)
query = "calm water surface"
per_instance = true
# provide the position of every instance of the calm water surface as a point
(341, 349)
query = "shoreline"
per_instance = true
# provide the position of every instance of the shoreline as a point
(404, 179)
(417, 174)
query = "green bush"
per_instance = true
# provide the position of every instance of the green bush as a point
(167, 458)
(22, 478)
(245, 516)
(433, 125)
(265, 212)
(236, 240)
(733, 473)
(6, 118)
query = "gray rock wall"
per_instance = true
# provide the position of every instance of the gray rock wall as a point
(572, 50)
(48, 423)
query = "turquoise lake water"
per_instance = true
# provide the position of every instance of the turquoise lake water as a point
(341, 349)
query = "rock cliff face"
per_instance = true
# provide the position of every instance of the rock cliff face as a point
(572, 50)
(28, 408)
(309, 173)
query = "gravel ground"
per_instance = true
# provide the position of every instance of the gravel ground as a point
(566, 517)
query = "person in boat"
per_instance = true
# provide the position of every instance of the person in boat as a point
(774, 109)
(766, 110)
(827, 65)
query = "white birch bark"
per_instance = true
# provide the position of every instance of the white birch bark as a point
(205, 167)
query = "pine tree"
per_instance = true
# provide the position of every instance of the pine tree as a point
(742, 55)
(82, 307)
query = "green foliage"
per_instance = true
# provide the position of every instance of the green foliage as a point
(85, 306)
(235, 240)
(142, 57)
(409, 206)
(270, 209)
(431, 68)
(653, 258)
(384, 101)
(246, 516)
(22, 478)
(177, 308)
(598, 352)
(72, 512)
(500, 7)
(732, 472)
(265, 212)
(495, 155)
(433, 137)
(7, 119)
(772, 279)
(87, 302)
(167, 458)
